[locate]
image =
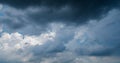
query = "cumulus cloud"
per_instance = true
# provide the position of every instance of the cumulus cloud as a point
(16, 48)
(59, 31)
(94, 42)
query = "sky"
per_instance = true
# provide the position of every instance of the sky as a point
(59, 31)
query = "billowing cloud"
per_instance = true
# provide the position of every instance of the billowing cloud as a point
(94, 42)
(59, 31)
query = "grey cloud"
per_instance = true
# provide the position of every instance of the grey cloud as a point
(21, 15)
(86, 40)
(69, 38)
(78, 11)
(63, 43)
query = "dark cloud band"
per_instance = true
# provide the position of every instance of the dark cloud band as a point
(79, 11)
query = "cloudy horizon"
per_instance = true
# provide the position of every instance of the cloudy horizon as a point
(59, 31)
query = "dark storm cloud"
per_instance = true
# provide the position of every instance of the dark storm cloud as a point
(79, 11)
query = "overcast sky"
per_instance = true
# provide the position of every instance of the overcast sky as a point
(59, 31)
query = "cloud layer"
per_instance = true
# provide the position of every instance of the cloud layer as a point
(67, 11)
(59, 31)
(60, 43)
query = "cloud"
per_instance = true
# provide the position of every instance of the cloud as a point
(1, 28)
(59, 31)
(57, 3)
(90, 43)
(16, 48)
(45, 11)
(38, 18)
(83, 59)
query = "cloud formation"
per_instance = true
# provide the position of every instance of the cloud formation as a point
(67, 11)
(59, 31)
(89, 43)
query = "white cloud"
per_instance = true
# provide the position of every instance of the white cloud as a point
(17, 46)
